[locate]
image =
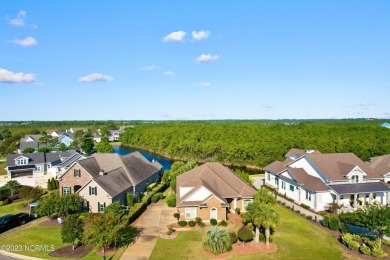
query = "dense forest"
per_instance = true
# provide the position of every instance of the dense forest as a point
(258, 143)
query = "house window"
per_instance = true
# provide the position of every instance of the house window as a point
(291, 188)
(245, 203)
(101, 206)
(367, 195)
(93, 191)
(341, 197)
(21, 161)
(39, 168)
(355, 178)
(283, 185)
(268, 177)
(49, 166)
(65, 190)
(374, 195)
(190, 213)
(308, 196)
(76, 173)
(276, 181)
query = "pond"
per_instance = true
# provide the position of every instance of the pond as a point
(122, 150)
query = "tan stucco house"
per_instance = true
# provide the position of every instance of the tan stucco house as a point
(104, 178)
(210, 191)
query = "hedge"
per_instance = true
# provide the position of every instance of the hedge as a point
(138, 208)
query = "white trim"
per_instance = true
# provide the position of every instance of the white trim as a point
(188, 209)
(216, 213)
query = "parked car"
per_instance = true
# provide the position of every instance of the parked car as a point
(10, 221)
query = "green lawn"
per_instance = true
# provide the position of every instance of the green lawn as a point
(115, 143)
(2, 170)
(295, 237)
(12, 208)
(37, 235)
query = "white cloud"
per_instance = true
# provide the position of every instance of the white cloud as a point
(205, 84)
(175, 37)
(206, 58)
(169, 73)
(26, 42)
(19, 19)
(151, 67)
(7, 76)
(96, 77)
(200, 35)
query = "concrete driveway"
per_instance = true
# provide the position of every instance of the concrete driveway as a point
(153, 221)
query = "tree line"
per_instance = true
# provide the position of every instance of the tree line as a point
(257, 143)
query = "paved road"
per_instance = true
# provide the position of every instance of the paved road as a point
(258, 181)
(151, 223)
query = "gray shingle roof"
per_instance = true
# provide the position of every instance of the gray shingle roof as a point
(114, 182)
(24, 145)
(306, 180)
(354, 188)
(39, 158)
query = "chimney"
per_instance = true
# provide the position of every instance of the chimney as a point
(101, 172)
(309, 150)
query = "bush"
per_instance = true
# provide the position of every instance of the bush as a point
(288, 207)
(283, 203)
(365, 250)
(245, 234)
(303, 205)
(377, 252)
(325, 221)
(263, 239)
(150, 187)
(198, 220)
(33, 193)
(298, 211)
(309, 217)
(233, 237)
(171, 200)
(237, 210)
(334, 223)
(176, 215)
(191, 223)
(344, 229)
(155, 198)
(223, 223)
(279, 201)
(182, 223)
(303, 215)
(213, 222)
(201, 224)
(351, 241)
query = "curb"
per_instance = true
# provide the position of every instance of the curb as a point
(17, 256)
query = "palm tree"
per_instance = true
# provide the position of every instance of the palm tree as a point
(217, 240)
(261, 214)
(264, 196)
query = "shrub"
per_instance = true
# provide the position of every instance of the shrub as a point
(334, 223)
(344, 228)
(33, 193)
(279, 201)
(298, 211)
(217, 240)
(171, 200)
(237, 210)
(150, 187)
(176, 215)
(303, 215)
(303, 205)
(169, 231)
(288, 207)
(325, 221)
(155, 198)
(6, 202)
(129, 199)
(213, 222)
(223, 223)
(1, 203)
(201, 224)
(182, 223)
(283, 203)
(245, 234)
(262, 237)
(377, 252)
(309, 217)
(365, 250)
(198, 220)
(351, 241)
(191, 223)
(233, 237)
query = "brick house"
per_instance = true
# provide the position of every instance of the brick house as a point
(104, 178)
(210, 191)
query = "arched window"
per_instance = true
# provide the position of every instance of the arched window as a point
(213, 213)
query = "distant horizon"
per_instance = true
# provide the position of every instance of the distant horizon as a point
(203, 60)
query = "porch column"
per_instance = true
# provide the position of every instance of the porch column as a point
(235, 205)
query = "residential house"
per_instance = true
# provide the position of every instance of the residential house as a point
(115, 134)
(381, 164)
(31, 141)
(210, 191)
(386, 125)
(317, 179)
(104, 178)
(66, 139)
(40, 164)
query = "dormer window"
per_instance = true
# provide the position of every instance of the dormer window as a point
(22, 161)
(355, 178)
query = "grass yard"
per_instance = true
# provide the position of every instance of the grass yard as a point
(12, 208)
(295, 237)
(37, 235)
(2, 170)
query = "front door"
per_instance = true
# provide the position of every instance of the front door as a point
(213, 213)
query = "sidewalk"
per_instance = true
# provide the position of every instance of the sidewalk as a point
(297, 207)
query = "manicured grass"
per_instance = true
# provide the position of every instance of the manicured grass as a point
(12, 208)
(187, 245)
(257, 175)
(50, 236)
(2, 170)
(295, 237)
(115, 143)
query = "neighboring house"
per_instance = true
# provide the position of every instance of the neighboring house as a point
(386, 125)
(317, 179)
(29, 141)
(382, 165)
(115, 134)
(66, 139)
(58, 133)
(97, 138)
(210, 191)
(104, 178)
(74, 130)
(40, 164)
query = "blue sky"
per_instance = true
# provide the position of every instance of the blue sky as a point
(170, 60)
